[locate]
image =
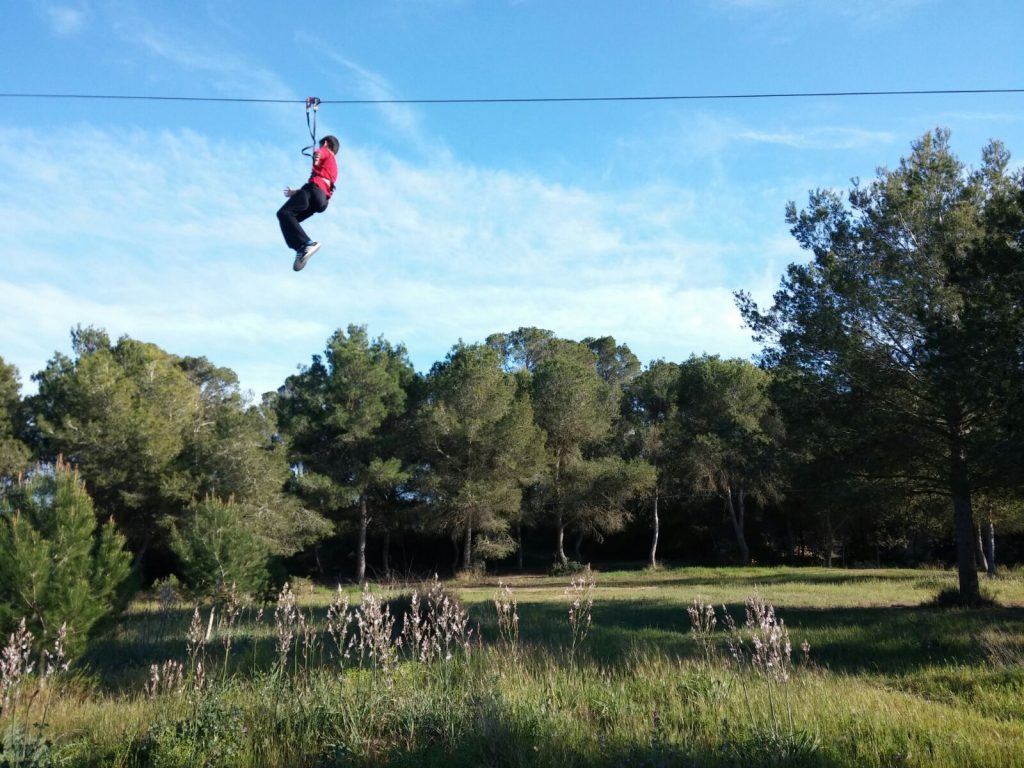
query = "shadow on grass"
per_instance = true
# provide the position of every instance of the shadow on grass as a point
(860, 639)
(884, 640)
(762, 578)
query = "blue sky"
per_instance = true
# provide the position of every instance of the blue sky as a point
(635, 220)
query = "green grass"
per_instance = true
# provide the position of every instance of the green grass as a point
(894, 681)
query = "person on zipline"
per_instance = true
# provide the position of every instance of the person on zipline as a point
(311, 198)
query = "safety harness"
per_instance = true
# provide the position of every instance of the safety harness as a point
(312, 106)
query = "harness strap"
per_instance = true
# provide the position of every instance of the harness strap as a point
(312, 103)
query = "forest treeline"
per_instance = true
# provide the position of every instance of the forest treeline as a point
(883, 421)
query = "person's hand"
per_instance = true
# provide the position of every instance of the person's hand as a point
(288, 191)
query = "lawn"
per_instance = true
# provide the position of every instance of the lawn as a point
(890, 680)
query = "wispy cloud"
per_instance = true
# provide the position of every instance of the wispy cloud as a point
(826, 137)
(223, 69)
(66, 20)
(365, 83)
(148, 242)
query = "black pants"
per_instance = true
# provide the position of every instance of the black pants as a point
(299, 207)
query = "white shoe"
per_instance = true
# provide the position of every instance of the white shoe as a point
(302, 257)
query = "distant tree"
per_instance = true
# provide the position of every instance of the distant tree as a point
(123, 415)
(218, 553)
(14, 454)
(911, 309)
(576, 409)
(730, 434)
(480, 447)
(522, 349)
(234, 452)
(336, 414)
(651, 427)
(152, 432)
(601, 491)
(616, 363)
(56, 565)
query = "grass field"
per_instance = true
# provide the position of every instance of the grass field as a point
(891, 681)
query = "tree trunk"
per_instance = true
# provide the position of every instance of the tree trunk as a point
(577, 548)
(790, 539)
(654, 536)
(364, 523)
(990, 548)
(456, 554)
(737, 512)
(982, 560)
(967, 567)
(386, 554)
(519, 543)
(467, 547)
(830, 539)
(560, 549)
(963, 521)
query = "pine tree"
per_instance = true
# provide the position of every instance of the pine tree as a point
(480, 447)
(14, 454)
(217, 552)
(909, 315)
(337, 414)
(56, 565)
(729, 434)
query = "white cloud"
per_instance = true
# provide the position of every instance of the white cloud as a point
(821, 137)
(142, 237)
(223, 70)
(403, 119)
(66, 20)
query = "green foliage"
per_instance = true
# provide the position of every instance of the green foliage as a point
(14, 454)
(568, 568)
(26, 748)
(616, 363)
(340, 415)
(217, 550)
(234, 453)
(211, 734)
(150, 432)
(728, 426)
(576, 408)
(481, 446)
(122, 414)
(908, 318)
(56, 565)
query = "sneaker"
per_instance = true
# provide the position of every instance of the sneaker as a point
(302, 257)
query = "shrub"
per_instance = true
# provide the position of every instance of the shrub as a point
(56, 565)
(568, 568)
(216, 550)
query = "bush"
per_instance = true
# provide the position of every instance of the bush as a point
(217, 550)
(56, 566)
(568, 568)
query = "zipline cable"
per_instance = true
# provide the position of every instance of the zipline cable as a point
(528, 99)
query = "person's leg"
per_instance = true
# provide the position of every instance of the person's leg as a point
(296, 208)
(317, 199)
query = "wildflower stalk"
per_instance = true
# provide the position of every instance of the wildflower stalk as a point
(581, 604)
